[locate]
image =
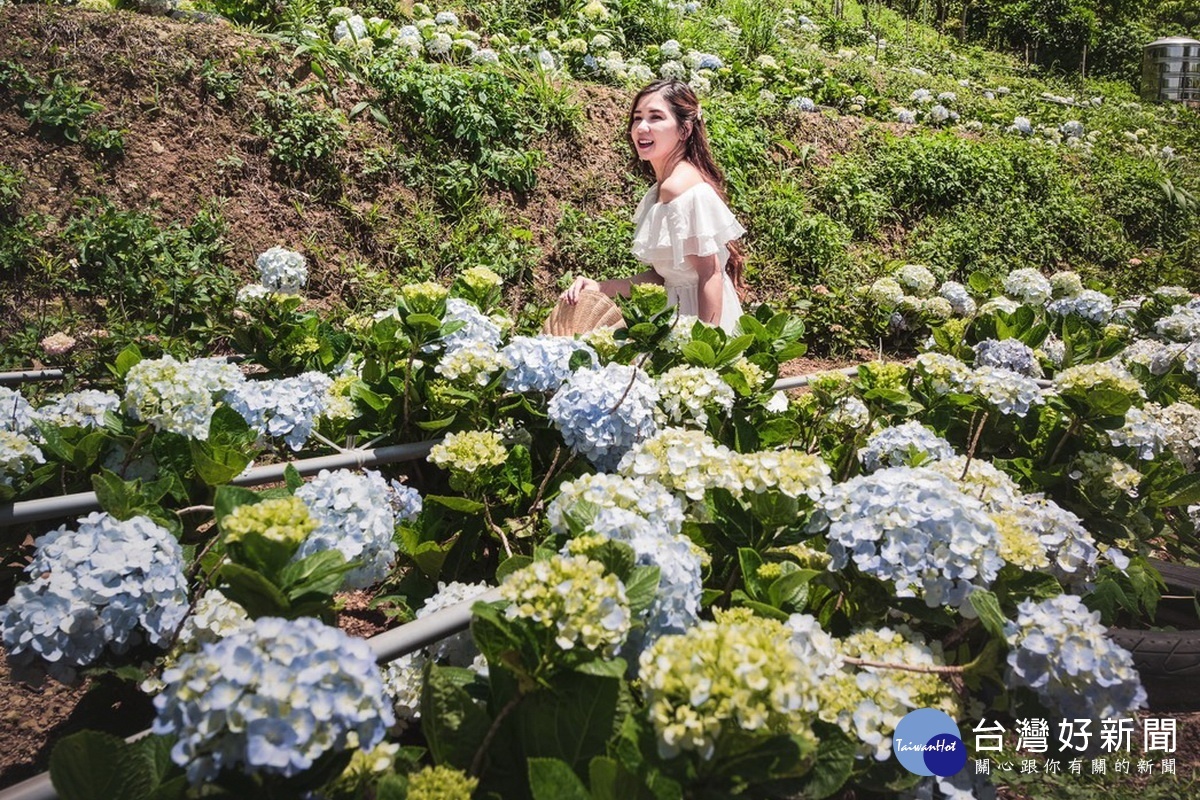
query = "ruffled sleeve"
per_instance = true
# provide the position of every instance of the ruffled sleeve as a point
(696, 223)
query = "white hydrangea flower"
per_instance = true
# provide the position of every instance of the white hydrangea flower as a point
(178, 396)
(1028, 286)
(283, 270)
(898, 445)
(917, 279)
(686, 395)
(18, 455)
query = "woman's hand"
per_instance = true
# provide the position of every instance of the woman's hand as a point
(581, 284)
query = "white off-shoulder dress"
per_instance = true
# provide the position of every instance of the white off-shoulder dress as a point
(696, 223)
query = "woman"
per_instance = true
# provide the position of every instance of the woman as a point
(682, 228)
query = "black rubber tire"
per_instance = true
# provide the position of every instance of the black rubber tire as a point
(1166, 654)
(1178, 576)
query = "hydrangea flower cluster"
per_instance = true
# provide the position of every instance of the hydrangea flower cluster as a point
(1181, 421)
(16, 413)
(477, 326)
(943, 373)
(603, 412)
(898, 445)
(1101, 376)
(405, 501)
(272, 700)
(285, 408)
(723, 676)
(471, 362)
(791, 472)
(109, 585)
(281, 520)
(685, 461)
(1142, 433)
(403, 677)
(178, 396)
(1156, 356)
(999, 303)
(1089, 304)
(573, 597)
(213, 618)
(283, 270)
(1027, 285)
(687, 394)
(541, 363)
(441, 783)
(868, 702)
(1060, 650)
(914, 528)
(1010, 393)
(354, 516)
(886, 293)
(1106, 475)
(1010, 354)
(469, 451)
(1066, 284)
(83, 409)
(960, 299)
(1183, 325)
(646, 498)
(425, 296)
(916, 279)
(18, 455)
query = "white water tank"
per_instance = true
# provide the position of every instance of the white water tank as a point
(1171, 70)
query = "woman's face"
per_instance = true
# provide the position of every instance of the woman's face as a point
(654, 130)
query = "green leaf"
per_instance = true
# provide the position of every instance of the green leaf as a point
(117, 497)
(551, 779)
(610, 668)
(460, 504)
(319, 573)
(749, 560)
(790, 592)
(253, 591)
(292, 477)
(126, 359)
(454, 725)
(513, 563)
(1107, 402)
(641, 588)
(90, 765)
(215, 464)
(392, 787)
(573, 722)
(1183, 491)
(833, 764)
(987, 606)
(699, 354)
(734, 347)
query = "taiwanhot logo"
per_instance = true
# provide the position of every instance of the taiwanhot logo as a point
(928, 742)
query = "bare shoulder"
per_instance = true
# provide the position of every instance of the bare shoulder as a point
(682, 178)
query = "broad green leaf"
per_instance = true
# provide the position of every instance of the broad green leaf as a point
(551, 779)
(126, 359)
(228, 498)
(699, 354)
(392, 787)
(833, 764)
(90, 765)
(750, 561)
(987, 606)
(292, 477)
(734, 347)
(117, 497)
(1183, 491)
(641, 588)
(454, 724)
(215, 464)
(321, 573)
(454, 503)
(511, 564)
(252, 591)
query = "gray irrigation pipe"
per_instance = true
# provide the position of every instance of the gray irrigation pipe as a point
(69, 504)
(30, 375)
(387, 646)
(83, 502)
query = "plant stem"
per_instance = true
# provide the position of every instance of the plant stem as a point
(493, 729)
(1058, 448)
(973, 445)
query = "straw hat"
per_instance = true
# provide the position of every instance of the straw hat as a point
(593, 310)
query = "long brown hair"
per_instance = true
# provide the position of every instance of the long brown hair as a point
(686, 108)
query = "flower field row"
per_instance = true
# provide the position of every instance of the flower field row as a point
(704, 583)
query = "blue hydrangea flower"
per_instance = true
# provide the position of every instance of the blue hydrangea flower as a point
(541, 363)
(16, 413)
(601, 413)
(915, 529)
(406, 501)
(1062, 652)
(960, 299)
(354, 516)
(286, 408)
(109, 585)
(272, 700)
(1007, 391)
(478, 326)
(1088, 304)
(898, 445)
(1010, 354)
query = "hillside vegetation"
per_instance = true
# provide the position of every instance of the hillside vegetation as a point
(146, 160)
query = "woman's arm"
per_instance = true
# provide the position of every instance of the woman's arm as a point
(711, 287)
(612, 288)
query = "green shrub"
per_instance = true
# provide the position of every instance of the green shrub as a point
(300, 137)
(170, 275)
(595, 245)
(810, 246)
(10, 193)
